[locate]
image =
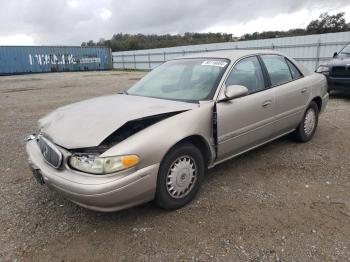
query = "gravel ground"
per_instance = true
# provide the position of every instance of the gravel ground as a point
(283, 202)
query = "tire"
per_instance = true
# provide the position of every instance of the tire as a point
(180, 175)
(308, 125)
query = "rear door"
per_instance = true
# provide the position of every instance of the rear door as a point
(291, 92)
(245, 122)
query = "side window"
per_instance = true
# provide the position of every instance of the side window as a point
(247, 73)
(294, 70)
(277, 68)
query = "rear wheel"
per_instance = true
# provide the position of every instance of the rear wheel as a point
(307, 127)
(180, 175)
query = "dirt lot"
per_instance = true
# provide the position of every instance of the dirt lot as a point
(285, 201)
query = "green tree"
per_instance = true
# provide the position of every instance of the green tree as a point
(122, 42)
(328, 24)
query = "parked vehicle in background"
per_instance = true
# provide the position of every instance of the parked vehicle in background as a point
(157, 140)
(337, 71)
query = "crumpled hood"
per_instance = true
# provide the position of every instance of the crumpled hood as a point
(88, 123)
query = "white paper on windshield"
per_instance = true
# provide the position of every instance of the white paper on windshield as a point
(214, 63)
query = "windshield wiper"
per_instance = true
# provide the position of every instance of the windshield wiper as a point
(123, 92)
(345, 53)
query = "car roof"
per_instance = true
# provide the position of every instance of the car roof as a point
(234, 55)
(231, 54)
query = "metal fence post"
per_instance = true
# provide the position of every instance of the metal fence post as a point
(149, 61)
(318, 51)
(123, 61)
(134, 61)
(164, 56)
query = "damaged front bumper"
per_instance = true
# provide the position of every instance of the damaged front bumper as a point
(104, 193)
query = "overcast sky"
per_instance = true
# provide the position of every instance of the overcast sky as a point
(69, 22)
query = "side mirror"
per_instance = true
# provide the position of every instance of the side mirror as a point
(234, 91)
(335, 54)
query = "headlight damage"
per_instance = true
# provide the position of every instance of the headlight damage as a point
(102, 165)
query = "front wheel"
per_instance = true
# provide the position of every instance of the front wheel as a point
(307, 127)
(180, 175)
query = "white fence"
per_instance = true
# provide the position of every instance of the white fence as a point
(309, 50)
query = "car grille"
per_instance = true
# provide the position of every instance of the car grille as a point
(341, 71)
(50, 152)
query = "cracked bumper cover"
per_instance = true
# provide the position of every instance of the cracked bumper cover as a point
(104, 193)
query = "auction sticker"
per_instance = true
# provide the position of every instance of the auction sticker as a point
(214, 63)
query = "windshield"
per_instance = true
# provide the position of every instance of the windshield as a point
(346, 50)
(188, 80)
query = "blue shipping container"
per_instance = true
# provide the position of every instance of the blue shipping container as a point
(38, 59)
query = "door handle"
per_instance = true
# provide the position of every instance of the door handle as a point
(303, 90)
(266, 103)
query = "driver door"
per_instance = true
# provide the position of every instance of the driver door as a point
(245, 122)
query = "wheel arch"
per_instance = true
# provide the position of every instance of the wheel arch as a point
(318, 101)
(201, 143)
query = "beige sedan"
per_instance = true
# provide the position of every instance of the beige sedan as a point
(156, 140)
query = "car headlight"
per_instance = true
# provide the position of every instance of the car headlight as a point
(102, 165)
(322, 69)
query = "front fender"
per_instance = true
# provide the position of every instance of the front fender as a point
(152, 143)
